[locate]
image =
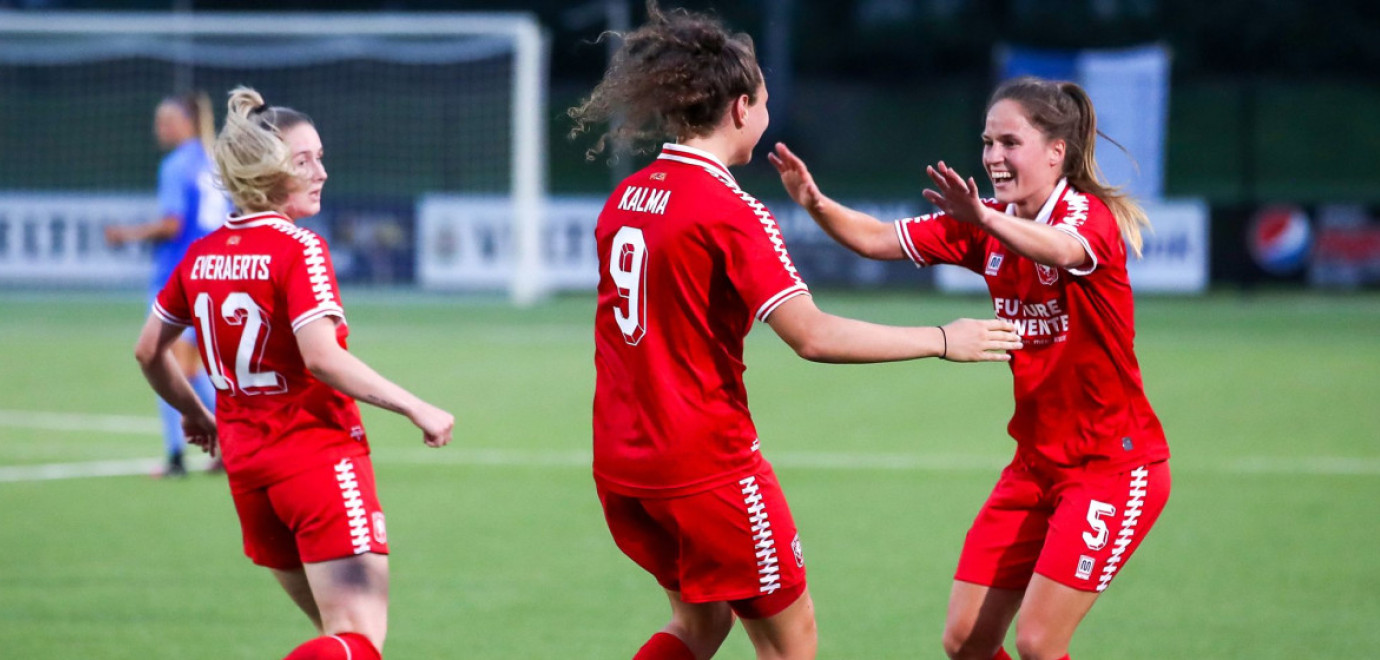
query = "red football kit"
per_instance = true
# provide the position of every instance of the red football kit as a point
(1081, 413)
(687, 262)
(247, 288)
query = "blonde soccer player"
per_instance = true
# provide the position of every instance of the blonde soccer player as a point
(262, 293)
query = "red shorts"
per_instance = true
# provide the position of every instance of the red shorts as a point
(1072, 525)
(736, 543)
(324, 513)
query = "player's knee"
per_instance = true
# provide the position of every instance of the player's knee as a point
(703, 626)
(1035, 642)
(962, 642)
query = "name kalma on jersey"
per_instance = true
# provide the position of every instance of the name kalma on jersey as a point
(645, 200)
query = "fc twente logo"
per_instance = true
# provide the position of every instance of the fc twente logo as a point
(1048, 274)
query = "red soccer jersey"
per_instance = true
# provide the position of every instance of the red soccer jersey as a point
(248, 287)
(687, 260)
(1078, 388)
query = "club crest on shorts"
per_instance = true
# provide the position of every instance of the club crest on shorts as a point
(798, 550)
(380, 531)
(993, 263)
(1085, 567)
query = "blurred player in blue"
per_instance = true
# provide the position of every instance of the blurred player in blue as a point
(190, 205)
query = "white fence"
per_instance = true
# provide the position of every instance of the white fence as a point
(468, 243)
(60, 239)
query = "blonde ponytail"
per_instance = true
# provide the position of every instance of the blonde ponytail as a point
(254, 162)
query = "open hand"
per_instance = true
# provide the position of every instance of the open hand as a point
(795, 177)
(956, 197)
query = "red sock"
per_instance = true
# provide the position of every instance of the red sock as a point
(664, 646)
(343, 646)
(1001, 654)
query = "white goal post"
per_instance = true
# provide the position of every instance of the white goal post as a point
(229, 40)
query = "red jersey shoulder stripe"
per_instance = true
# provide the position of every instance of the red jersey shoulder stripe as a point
(167, 317)
(711, 164)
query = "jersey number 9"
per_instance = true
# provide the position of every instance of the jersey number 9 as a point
(628, 268)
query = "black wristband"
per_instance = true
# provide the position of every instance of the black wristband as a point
(945, 335)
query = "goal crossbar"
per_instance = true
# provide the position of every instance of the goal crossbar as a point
(528, 163)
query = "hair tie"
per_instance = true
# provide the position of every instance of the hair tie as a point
(260, 109)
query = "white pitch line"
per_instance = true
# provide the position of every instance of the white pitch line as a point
(52, 471)
(579, 458)
(61, 421)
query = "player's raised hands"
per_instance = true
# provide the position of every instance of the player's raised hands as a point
(436, 424)
(795, 178)
(956, 197)
(987, 340)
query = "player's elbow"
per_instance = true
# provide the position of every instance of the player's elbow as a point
(318, 364)
(144, 356)
(146, 353)
(812, 343)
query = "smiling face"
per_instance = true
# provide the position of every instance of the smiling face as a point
(1022, 163)
(304, 194)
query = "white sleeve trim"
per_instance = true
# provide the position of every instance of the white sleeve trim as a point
(316, 313)
(164, 316)
(775, 301)
(907, 246)
(1073, 231)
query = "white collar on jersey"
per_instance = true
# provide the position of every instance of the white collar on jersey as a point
(683, 154)
(1048, 209)
(255, 220)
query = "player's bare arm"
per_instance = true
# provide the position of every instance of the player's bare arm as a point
(858, 231)
(157, 230)
(337, 367)
(958, 197)
(162, 371)
(821, 337)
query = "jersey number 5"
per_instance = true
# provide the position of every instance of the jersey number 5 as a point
(1097, 538)
(237, 309)
(628, 268)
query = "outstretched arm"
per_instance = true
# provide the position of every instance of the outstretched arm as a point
(853, 229)
(160, 230)
(337, 367)
(821, 337)
(1040, 243)
(162, 371)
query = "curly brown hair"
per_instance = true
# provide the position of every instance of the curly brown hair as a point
(674, 77)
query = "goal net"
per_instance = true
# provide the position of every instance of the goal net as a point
(410, 108)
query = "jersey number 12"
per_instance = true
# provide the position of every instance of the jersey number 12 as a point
(237, 309)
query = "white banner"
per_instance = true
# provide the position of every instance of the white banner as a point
(59, 238)
(466, 242)
(1175, 254)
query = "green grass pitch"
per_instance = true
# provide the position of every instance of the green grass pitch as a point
(1268, 548)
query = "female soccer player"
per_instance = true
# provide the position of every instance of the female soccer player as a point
(1090, 475)
(189, 206)
(687, 261)
(262, 293)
